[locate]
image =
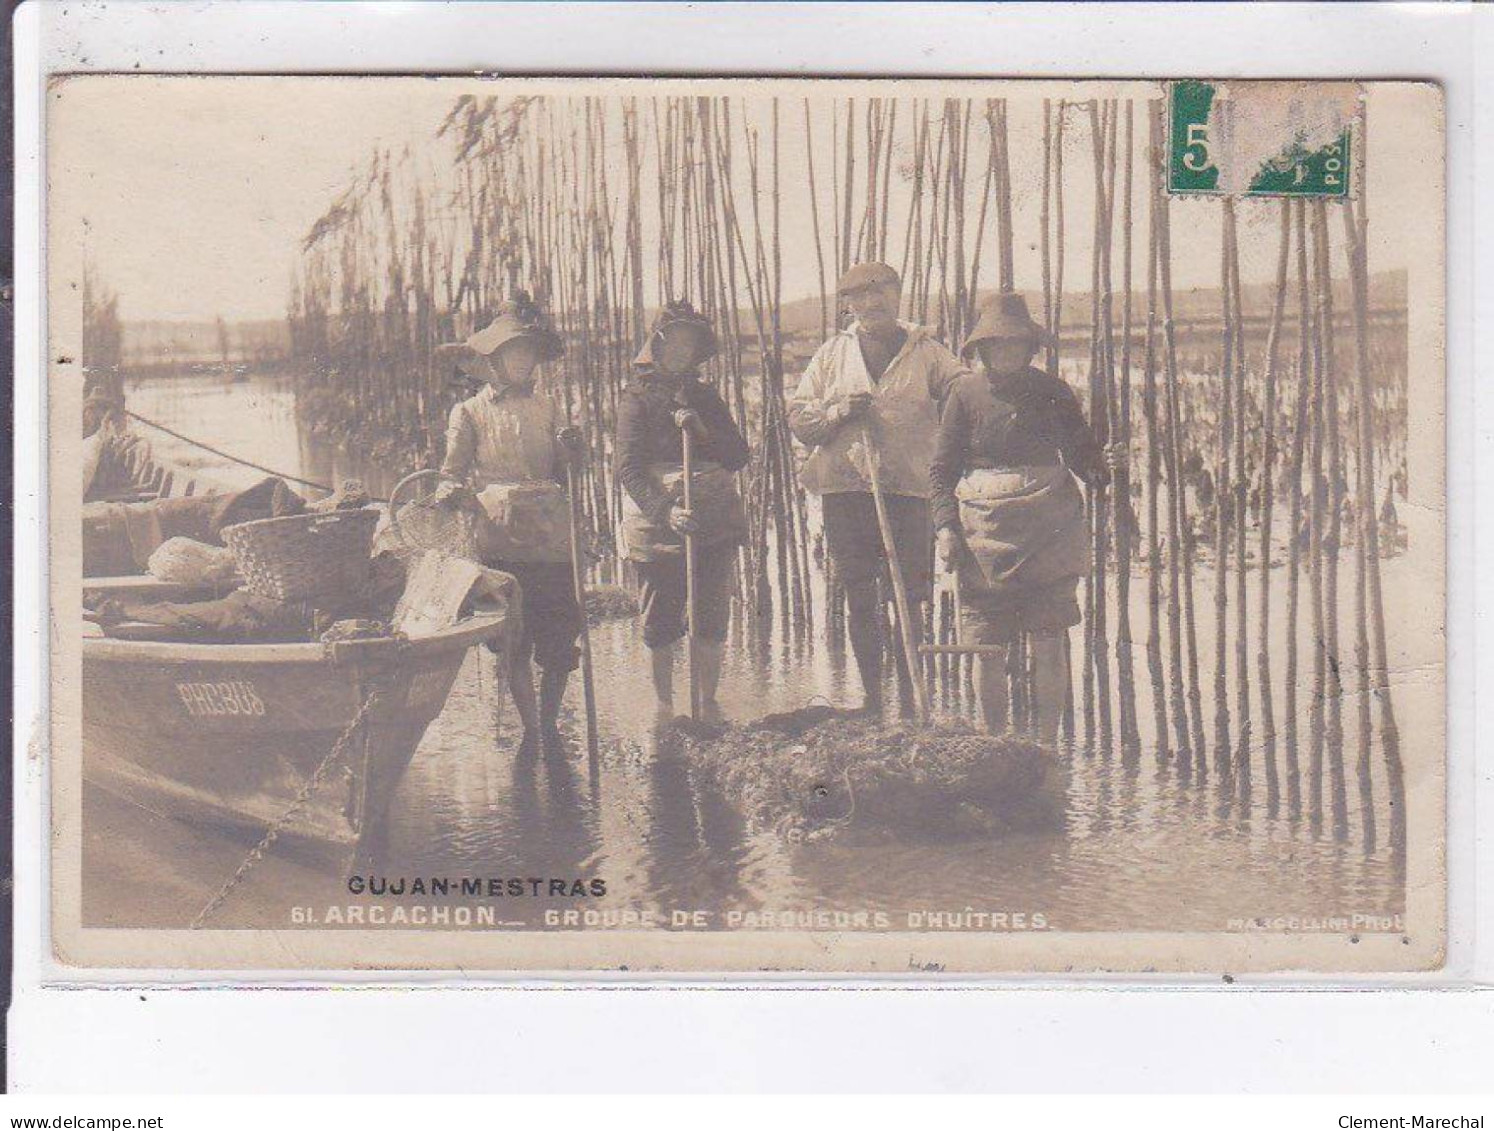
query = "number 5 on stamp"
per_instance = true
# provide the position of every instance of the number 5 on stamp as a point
(1261, 138)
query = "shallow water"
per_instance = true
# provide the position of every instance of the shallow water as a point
(1143, 846)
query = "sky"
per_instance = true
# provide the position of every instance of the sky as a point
(191, 195)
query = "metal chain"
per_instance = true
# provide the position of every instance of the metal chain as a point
(313, 783)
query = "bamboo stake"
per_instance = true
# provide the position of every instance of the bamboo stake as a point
(1222, 495)
(912, 233)
(1093, 581)
(578, 582)
(1268, 477)
(1097, 665)
(1363, 767)
(1178, 496)
(1333, 731)
(814, 208)
(890, 134)
(1315, 554)
(692, 596)
(1057, 327)
(1369, 533)
(1130, 733)
(973, 290)
(1007, 279)
(1154, 445)
(895, 568)
(1294, 553)
(845, 234)
(1044, 224)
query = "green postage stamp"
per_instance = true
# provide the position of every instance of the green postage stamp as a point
(1262, 138)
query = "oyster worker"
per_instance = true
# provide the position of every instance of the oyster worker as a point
(506, 452)
(1007, 507)
(886, 377)
(665, 397)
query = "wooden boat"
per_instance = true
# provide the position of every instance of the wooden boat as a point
(227, 736)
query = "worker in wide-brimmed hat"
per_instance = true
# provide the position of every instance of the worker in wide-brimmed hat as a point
(881, 380)
(663, 399)
(1012, 445)
(506, 453)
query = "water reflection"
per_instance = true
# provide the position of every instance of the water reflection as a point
(1148, 843)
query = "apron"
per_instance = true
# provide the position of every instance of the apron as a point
(527, 521)
(1024, 529)
(718, 509)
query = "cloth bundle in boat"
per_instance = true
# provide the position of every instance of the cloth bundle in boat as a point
(186, 561)
(1024, 530)
(717, 506)
(241, 617)
(119, 538)
(526, 522)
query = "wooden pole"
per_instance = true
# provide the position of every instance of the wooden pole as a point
(1222, 495)
(1268, 481)
(845, 216)
(895, 568)
(1130, 732)
(1183, 577)
(1241, 500)
(1315, 555)
(1102, 352)
(1094, 581)
(1294, 512)
(1058, 229)
(1369, 531)
(1155, 440)
(814, 208)
(1333, 735)
(1045, 224)
(691, 597)
(578, 581)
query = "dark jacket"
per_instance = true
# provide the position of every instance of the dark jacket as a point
(648, 435)
(1031, 420)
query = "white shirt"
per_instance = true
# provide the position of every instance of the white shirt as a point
(903, 421)
(502, 437)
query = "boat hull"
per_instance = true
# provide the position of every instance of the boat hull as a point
(227, 737)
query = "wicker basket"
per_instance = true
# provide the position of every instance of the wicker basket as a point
(304, 557)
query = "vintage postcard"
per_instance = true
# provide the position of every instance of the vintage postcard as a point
(764, 527)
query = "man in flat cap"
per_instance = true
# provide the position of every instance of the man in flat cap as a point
(880, 379)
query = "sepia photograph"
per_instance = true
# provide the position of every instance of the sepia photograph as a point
(751, 526)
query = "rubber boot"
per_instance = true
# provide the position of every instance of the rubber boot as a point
(991, 691)
(521, 689)
(866, 642)
(907, 704)
(552, 692)
(1051, 683)
(661, 661)
(709, 653)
